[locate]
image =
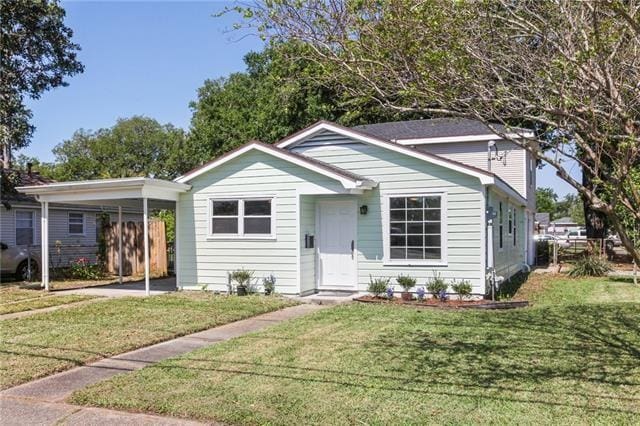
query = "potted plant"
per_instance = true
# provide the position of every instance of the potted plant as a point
(269, 284)
(420, 294)
(407, 283)
(242, 278)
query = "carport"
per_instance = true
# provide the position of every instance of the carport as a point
(137, 193)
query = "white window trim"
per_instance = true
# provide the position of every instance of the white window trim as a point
(33, 225)
(509, 220)
(386, 259)
(240, 235)
(84, 224)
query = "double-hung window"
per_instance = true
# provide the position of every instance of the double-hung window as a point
(416, 229)
(24, 227)
(243, 217)
(76, 223)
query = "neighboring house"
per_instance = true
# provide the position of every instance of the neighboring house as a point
(562, 226)
(72, 229)
(329, 207)
(542, 221)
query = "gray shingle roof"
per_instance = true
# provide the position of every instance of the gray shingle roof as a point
(428, 128)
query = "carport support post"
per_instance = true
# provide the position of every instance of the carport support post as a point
(145, 208)
(120, 244)
(44, 244)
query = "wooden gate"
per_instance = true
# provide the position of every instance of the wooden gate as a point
(133, 248)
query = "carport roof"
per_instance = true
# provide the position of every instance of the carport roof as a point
(106, 191)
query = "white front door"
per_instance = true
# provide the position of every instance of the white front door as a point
(337, 267)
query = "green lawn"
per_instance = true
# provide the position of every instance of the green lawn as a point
(41, 302)
(544, 289)
(45, 343)
(566, 360)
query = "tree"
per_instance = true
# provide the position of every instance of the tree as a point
(567, 70)
(571, 206)
(137, 146)
(269, 101)
(546, 199)
(36, 54)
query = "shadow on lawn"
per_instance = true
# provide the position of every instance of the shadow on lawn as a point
(574, 357)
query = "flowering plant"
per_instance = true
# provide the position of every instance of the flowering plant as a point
(420, 293)
(443, 295)
(269, 284)
(390, 292)
(82, 269)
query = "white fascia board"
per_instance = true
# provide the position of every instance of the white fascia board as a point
(471, 138)
(347, 183)
(484, 178)
(510, 192)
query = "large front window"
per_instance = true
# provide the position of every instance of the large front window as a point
(242, 217)
(415, 228)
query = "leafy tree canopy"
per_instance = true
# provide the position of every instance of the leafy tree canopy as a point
(546, 200)
(36, 54)
(272, 99)
(136, 146)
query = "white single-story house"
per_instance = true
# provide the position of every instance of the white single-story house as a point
(329, 207)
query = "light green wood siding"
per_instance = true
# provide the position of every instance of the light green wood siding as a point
(510, 259)
(396, 173)
(203, 260)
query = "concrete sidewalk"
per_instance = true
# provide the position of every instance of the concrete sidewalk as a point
(41, 400)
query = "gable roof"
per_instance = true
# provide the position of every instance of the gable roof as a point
(485, 177)
(451, 129)
(346, 178)
(302, 135)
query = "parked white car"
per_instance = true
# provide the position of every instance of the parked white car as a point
(544, 237)
(15, 261)
(573, 237)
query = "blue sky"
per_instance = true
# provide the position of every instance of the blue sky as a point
(147, 58)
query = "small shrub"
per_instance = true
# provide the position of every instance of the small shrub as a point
(269, 284)
(420, 292)
(241, 277)
(462, 288)
(406, 282)
(590, 266)
(436, 285)
(390, 292)
(378, 286)
(204, 287)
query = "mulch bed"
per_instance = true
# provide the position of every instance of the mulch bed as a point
(449, 304)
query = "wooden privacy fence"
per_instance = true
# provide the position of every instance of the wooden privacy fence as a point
(133, 248)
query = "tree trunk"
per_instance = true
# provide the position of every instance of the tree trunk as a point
(624, 238)
(6, 156)
(595, 222)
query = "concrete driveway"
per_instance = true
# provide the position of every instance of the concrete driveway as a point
(135, 288)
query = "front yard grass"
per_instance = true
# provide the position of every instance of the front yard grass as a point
(554, 289)
(40, 302)
(45, 343)
(563, 361)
